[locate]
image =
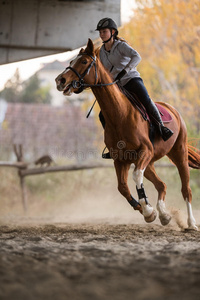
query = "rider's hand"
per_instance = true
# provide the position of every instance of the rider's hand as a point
(121, 74)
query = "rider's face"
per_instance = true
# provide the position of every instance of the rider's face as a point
(104, 34)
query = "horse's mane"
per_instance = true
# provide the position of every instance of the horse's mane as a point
(97, 52)
(106, 74)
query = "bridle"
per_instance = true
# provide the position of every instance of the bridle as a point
(80, 83)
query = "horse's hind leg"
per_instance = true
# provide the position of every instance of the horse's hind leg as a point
(180, 158)
(160, 186)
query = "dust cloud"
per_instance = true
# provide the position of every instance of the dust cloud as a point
(86, 242)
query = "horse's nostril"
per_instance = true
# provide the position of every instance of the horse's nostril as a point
(63, 80)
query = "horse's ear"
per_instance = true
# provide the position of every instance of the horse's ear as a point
(81, 51)
(90, 47)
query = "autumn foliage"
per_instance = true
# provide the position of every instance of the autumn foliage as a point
(166, 33)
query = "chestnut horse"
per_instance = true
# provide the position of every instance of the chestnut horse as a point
(127, 136)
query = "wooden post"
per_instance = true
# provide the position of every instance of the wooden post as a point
(19, 154)
(23, 190)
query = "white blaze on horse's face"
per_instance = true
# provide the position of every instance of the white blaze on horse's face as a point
(72, 64)
(74, 61)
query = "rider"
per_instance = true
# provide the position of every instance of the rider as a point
(121, 61)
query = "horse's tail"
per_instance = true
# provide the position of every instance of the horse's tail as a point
(193, 157)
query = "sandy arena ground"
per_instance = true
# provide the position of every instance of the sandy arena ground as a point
(80, 240)
(98, 262)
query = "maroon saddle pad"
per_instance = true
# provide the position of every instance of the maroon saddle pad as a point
(165, 115)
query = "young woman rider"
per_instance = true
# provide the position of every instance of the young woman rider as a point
(121, 60)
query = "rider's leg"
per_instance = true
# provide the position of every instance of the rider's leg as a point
(136, 86)
(103, 123)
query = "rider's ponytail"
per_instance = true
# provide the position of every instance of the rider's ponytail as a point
(120, 39)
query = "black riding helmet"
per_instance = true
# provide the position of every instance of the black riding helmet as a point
(107, 23)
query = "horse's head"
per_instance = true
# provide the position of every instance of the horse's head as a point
(79, 73)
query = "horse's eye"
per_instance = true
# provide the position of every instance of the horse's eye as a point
(84, 62)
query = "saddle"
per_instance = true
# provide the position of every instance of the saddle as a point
(153, 129)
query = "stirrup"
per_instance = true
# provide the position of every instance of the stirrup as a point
(106, 155)
(166, 133)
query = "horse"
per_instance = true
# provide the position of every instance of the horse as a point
(126, 135)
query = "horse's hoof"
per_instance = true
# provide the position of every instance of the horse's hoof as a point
(151, 218)
(165, 219)
(191, 228)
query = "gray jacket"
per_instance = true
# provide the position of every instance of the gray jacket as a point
(122, 56)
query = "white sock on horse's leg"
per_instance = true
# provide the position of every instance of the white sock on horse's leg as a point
(191, 220)
(147, 210)
(163, 215)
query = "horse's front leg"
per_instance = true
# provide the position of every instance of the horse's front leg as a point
(147, 210)
(122, 176)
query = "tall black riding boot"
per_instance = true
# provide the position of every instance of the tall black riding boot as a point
(165, 132)
(135, 86)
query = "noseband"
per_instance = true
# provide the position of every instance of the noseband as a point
(80, 84)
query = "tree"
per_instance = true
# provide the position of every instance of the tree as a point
(33, 92)
(166, 34)
(30, 91)
(12, 89)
